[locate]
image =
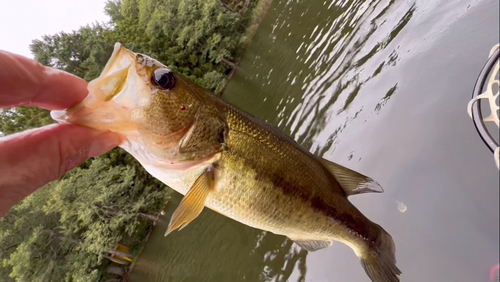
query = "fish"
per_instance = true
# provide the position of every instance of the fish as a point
(223, 158)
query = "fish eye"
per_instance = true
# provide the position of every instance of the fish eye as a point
(163, 78)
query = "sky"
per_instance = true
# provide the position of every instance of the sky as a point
(23, 21)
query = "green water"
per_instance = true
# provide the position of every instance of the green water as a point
(381, 87)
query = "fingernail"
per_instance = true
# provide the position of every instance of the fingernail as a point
(103, 143)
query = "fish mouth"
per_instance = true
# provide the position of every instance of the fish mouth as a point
(121, 58)
(100, 118)
(109, 101)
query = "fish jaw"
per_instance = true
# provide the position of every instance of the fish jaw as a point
(113, 97)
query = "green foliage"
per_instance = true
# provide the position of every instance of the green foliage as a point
(192, 37)
(83, 53)
(23, 118)
(215, 80)
(61, 231)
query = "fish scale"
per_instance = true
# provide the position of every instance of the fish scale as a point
(231, 162)
(279, 198)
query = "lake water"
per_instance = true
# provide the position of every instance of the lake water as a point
(380, 87)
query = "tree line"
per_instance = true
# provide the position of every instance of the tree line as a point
(63, 231)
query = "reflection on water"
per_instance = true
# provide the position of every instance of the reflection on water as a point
(214, 248)
(382, 85)
(324, 53)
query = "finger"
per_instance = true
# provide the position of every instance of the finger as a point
(36, 157)
(25, 82)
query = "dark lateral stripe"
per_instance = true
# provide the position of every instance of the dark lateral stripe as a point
(356, 223)
(353, 222)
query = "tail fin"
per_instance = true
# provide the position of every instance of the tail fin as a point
(380, 262)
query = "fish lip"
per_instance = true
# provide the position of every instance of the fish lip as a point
(65, 116)
(117, 50)
(118, 46)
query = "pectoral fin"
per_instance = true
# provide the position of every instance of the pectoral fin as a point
(193, 203)
(351, 181)
(312, 246)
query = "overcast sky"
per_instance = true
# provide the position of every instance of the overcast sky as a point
(23, 21)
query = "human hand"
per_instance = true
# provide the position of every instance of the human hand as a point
(31, 159)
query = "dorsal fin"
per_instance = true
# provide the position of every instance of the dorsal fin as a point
(351, 181)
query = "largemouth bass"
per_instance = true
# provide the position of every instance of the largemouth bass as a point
(229, 161)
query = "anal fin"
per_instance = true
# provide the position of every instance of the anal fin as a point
(311, 245)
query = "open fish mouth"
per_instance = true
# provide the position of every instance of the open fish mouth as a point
(111, 96)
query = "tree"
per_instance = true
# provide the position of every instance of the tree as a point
(63, 231)
(23, 118)
(192, 37)
(84, 52)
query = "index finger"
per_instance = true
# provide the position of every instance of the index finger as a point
(25, 82)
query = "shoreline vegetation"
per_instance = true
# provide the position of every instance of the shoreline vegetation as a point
(257, 15)
(130, 269)
(72, 228)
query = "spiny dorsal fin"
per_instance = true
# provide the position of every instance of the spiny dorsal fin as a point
(312, 245)
(352, 182)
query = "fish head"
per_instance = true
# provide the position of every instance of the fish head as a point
(142, 100)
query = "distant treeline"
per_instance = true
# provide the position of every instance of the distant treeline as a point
(198, 39)
(61, 232)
